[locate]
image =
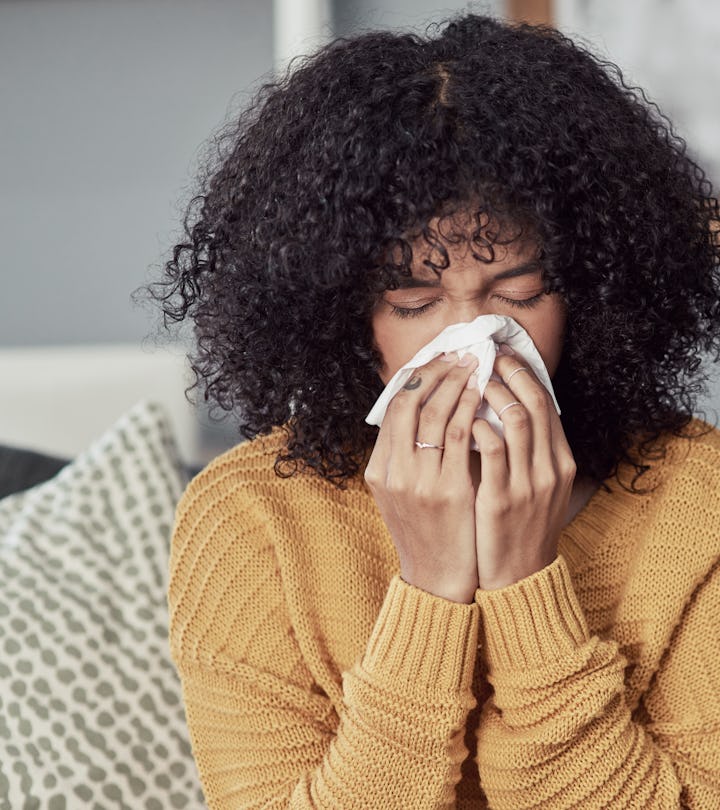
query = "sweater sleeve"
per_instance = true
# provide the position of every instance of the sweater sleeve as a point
(558, 733)
(264, 734)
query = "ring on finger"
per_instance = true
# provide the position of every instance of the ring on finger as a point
(504, 408)
(426, 445)
(515, 371)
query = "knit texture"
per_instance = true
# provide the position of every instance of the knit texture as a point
(314, 677)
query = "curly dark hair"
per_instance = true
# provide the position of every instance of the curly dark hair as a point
(370, 138)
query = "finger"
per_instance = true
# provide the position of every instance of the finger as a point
(562, 451)
(527, 388)
(381, 449)
(437, 409)
(517, 427)
(494, 470)
(551, 449)
(402, 416)
(458, 434)
(404, 408)
(375, 470)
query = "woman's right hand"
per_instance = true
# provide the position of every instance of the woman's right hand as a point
(426, 495)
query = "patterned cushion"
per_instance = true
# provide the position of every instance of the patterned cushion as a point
(91, 711)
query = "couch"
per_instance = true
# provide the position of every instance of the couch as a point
(91, 711)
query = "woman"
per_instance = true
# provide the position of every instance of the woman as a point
(387, 618)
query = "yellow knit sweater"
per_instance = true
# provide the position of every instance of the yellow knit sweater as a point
(314, 677)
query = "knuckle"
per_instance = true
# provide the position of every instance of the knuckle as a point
(432, 413)
(395, 485)
(455, 433)
(491, 445)
(502, 507)
(488, 442)
(537, 400)
(546, 483)
(449, 496)
(399, 401)
(568, 469)
(425, 495)
(517, 417)
(459, 373)
(525, 495)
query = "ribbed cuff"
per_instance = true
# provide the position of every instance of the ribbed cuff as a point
(532, 622)
(423, 640)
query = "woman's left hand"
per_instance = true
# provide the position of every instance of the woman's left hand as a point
(525, 481)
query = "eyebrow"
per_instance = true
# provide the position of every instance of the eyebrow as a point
(410, 282)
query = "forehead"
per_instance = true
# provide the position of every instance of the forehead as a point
(496, 259)
(460, 243)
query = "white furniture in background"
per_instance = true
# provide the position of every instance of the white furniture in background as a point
(299, 27)
(58, 399)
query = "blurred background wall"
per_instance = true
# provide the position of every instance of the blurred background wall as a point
(668, 47)
(106, 106)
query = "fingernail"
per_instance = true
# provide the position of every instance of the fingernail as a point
(505, 349)
(466, 359)
(448, 357)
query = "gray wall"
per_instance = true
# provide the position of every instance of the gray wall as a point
(104, 106)
(355, 15)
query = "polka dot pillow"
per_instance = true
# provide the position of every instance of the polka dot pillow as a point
(91, 712)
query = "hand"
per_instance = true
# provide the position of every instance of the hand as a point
(426, 496)
(525, 479)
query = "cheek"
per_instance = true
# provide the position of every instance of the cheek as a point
(398, 340)
(548, 335)
(389, 342)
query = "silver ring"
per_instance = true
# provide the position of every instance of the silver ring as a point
(424, 445)
(505, 407)
(515, 371)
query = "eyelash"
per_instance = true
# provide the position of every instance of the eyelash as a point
(413, 312)
(525, 302)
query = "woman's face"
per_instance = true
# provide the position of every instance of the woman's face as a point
(406, 319)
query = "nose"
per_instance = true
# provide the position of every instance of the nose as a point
(466, 310)
(467, 294)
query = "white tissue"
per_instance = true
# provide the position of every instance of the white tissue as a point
(481, 337)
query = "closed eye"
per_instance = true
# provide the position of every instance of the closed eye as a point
(521, 302)
(412, 312)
